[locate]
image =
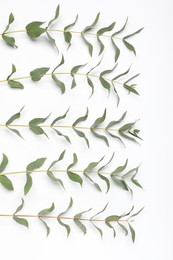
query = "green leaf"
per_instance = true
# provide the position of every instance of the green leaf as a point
(67, 227)
(104, 82)
(90, 83)
(4, 163)
(28, 184)
(34, 29)
(54, 77)
(94, 126)
(120, 183)
(117, 50)
(55, 179)
(80, 133)
(61, 157)
(8, 39)
(135, 181)
(127, 126)
(132, 231)
(67, 34)
(14, 83)
(56, 15)
(123, 228)
(121, 30)
(113, 218)
(102, 31)
(88, 28)
(127, 44)
(33, 125)
(38, 73)
(135, 214)
(122, 74)
(52, 41)
(120, 169)
(59, 118)
(92, 219)
(45, 212)
(74, 70)
(79, 223)
(115, 122)
(35, 165)
(20, 221)
(5, 181)
(65, 136)
(75, 177)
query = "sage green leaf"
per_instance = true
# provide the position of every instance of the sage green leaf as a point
(131, 88)
(136, 182)
(120, 169)
(115, 122)
(67, 227)
(136, 169)
(135, 214)
(127, 126)
(90, 83)
(6, 182)
(121, 183)
(55, 179)
(127, 44)
(127, 214)
(104, 82)
(80, 133)
(94, 66)
(94, 126)
(74, 70)
(87, 29)
(20, 221)
(34, 29)
(117, 50)
(35, 165)
(52, 41)
(67, 34)
(54, 77)
(118, 97)
(75, 177)
(113, 218)
(121, 30)
(14, 83)
(75, 160)
(59, 118)
(123, 228)
(127, 137)
(33, 125)
(61, 157)
(79, 223)
(4, 163)
(56, 15)
(132, 231)
(102, 31)
(45, 212)
(116, 137)
(122, 74)
(92, 219)
(28, 184)
(8, 39)
(38, 73)
(60, 134)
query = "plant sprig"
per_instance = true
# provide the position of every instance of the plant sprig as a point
(121, 177)
(123, 221)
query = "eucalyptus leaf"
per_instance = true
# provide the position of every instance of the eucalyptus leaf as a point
(20, 221)
(102, 31)
(67, 227)
(115, 122)
(13, 83)
(67, 34)
(79, 223)
(61, 157)
(35, 165)
(120, 169)
(6, 182)
(80, 133)
(59, 118)
(75, 177)
(33, 125)
(113, 218)
(8, 39)
(45, 212)
(123, 228)
(4, 163)
(74, 70)
(28, 184)
(127, 44)
(38, 73)
(34, 29)
(57, 11)
(132, 231)
(60, 134)
(117, 50)
(122, 29)
(52, 41)
(121, 183)
(55, 179)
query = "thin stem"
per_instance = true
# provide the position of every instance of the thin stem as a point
(62, 31)
(60, 126)
(62, 73)
(59, 217)
(58, 171)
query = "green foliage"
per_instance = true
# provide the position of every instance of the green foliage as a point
(21, 221)
(13, 83)
(8, 39)
(4, 180)
(43, 213)
(38, 73)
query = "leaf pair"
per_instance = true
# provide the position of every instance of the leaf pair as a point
(14, 83)
(4, 180)
(8, 39)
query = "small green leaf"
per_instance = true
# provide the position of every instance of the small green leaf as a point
(6, 182)
(67, 227)
(45, 212)
(120, 169)
(102, 31)
(123, 228)
(122, 74)
(14, 83)
(34, 29)
(35, 165)
(75, 177)
(127, 44)
(61, 157)
(104, 82)
(38, 73)
(121, 30)
(52, 41)
(67, 34)
(117, 50)
(115, 122)
(8, 39)
(92, 219)
(88, 28)
(135, 214)
(74, 70)
(120, 183)
(60, 134)
(20, 221)
(90, 83)
(113, 218)
(132, 231)
(80, 133)
(28, 184)
(94, 126)
(33, 125)
(56, 15)
(79, 223)
(54, 77)
(59, 118)
(55, 179)
(135, 181)
(4, 163)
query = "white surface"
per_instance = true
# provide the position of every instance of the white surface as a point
(154, 58)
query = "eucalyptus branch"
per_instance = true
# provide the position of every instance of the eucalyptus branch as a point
(120, 220)
(120, 176)
(126, 131)
(35, 29)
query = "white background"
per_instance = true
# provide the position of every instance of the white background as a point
(153, 107)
